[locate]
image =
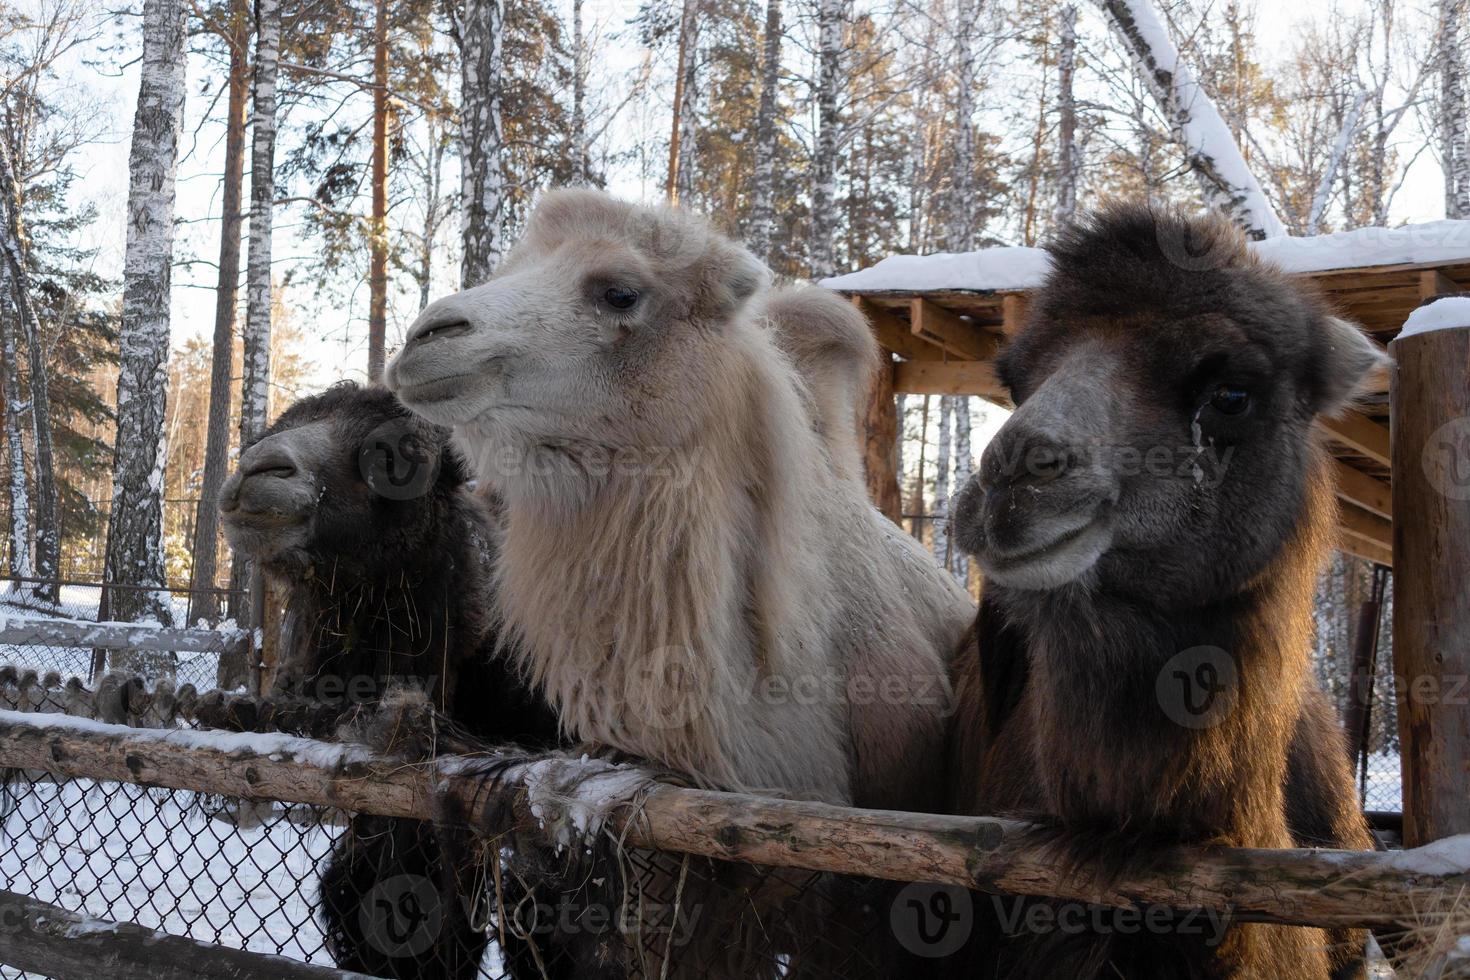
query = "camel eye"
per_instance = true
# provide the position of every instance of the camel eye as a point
(620, 297)
(1230, 400)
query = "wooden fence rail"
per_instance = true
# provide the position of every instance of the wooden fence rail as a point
(50, 941)
(568, 796)
(29, 631)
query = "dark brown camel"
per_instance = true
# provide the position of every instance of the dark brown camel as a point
(1151, 522)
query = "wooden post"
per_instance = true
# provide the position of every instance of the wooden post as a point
(1431, 532)
(880, 446)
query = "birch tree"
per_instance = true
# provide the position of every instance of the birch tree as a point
(481, 34)
(1453, 124)
(256, 370)
(378, 227)
(135, 527)
(18, 560)
(581, 152)
(831, 17)
(38, 411)
(1069, 157)
(1211, 152)
(939, 536)
(682, 133)
(763, 204)
(204, 604)
(961, 231)
(959, 562)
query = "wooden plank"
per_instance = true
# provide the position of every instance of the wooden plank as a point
(1357, 487)
(1360, 523)
(942, 328)
(118, 636)
(949, 378)
(1433, 282)
(1015, 307)
(1360, 434)
(880, 444)
(1351, 545)
(893, 334)
(1431, 629)
(1295, 887)
(50, 941)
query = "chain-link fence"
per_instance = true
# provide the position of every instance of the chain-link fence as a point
(380, 895)
(29, 599)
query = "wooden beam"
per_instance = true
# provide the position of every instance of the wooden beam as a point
(1014, 307)
(1357, 487)
(949, 378)
(50, 941)
(118, 636)
(880, 444)
(942, 328)
(1433, 282)
(1431, 538)
(1360, 434)
(570, 795)
(1372, 535)
(894, 335)
(1351, 545)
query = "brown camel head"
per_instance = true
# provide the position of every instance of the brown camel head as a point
(1166, 383)
(346, 483)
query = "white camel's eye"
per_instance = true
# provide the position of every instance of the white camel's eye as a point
(620, 297)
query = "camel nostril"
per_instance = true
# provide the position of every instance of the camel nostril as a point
(281, 471)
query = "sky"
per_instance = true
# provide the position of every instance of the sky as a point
(336, 338)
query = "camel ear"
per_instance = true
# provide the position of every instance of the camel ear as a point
(734, 275)
(1350, 359)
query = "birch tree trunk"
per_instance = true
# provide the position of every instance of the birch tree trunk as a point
(135, 528)
(205, 604)
(823, 259)
(1340, 147)
(481, 139)
(378, 232)
(961, 230)
(13, 242)
(682, 131)
(1212, 153)
(1454, 126)
(939, 540)
(256, 343)
(959, 562)
(581, 156)
(1069, 158)
(763, 204)
(255, 379)
(18, 560)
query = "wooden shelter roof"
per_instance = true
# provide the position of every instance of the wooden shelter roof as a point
(946, 340)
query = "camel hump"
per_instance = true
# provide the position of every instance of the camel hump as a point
(833, 350)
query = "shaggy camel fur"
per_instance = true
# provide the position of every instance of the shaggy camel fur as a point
(1151, 521)
(359, 512)
(728, 604)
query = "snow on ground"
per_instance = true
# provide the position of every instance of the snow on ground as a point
(158, 858)
(1016, 267)
(1442, 314)
(1385, 791)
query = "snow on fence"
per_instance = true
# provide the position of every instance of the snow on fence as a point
(564, 799)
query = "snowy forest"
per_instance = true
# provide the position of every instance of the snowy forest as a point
(302, 178)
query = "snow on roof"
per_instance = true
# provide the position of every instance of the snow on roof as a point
(1015, 267)
(1442, 314)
